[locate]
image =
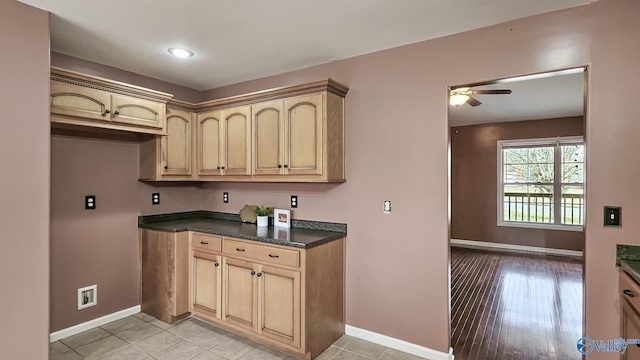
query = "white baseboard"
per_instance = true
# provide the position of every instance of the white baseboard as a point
(77, 329)
(508, 247)
(397, 344)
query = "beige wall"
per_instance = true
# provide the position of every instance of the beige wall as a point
(100, 246)
(397, 141)
(24, 190)
(474, 177)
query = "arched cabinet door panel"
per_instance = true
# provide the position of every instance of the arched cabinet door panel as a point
(81, 102)
(303, 135)
(208, 146)
(176, 146)
(138, 112)
(236, 142)
(268, 138)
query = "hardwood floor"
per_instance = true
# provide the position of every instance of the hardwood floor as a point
(512, 306)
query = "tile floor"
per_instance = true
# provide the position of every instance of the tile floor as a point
(142, 337)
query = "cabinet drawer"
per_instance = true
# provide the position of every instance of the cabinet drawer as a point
(630, 291)
(262, 253)
(206, 243)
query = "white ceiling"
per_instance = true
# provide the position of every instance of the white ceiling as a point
(239, 40)
(540, 97)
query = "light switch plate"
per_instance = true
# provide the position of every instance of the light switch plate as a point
(612, 216)
(387, 207)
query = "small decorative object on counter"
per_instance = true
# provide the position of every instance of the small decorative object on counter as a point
(247, 214)
(282, 218)
(263, 214)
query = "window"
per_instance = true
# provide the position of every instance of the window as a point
(541, 183)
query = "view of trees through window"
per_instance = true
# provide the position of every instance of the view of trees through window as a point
(529, 183)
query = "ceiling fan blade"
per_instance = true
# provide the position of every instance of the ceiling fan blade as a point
(473, 102)
(486, 92)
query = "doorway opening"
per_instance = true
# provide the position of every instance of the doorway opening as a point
(517, 177)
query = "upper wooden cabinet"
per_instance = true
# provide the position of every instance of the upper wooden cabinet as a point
(79, 100)
(170, 157)
(300, 138)
(224, 142)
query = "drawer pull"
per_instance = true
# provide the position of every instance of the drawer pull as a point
(259, 274)
(253, 273)
(274, 256)
(204, 242)
(238, 249)
(216, 264)
(629, 293)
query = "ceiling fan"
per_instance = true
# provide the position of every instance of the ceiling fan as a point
(462, 95)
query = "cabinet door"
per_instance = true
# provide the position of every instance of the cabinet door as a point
(240, 292)
(207, 284)
(78, 101)
(279, 304)
(268, 138)
(132, 111)
(236, 142)
(208, 148)
(303, 135)
(176, 146)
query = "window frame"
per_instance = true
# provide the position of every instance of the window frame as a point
(556, 142)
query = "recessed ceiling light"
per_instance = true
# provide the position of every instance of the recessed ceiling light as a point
(180, 52)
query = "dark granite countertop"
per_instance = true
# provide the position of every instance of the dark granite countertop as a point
(631, 267)
(302, 234)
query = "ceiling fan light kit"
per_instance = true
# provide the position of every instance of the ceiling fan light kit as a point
(461, 96)
(458, 99)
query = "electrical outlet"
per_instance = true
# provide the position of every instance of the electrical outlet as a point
(90, 202)
(294, 201)
(87, 297)
(225, 197)
(387, 207)
(612, 216)
(155, 199)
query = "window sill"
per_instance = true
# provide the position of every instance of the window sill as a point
(541, 226)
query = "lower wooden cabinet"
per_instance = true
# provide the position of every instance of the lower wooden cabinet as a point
(240, 294)
(285, 297)
(206, 284)
(164, 274)
(279, 304)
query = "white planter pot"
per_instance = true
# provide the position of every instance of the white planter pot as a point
(262, 221)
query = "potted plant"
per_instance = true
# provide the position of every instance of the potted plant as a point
(263, 214)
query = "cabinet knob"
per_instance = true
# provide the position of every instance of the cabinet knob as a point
(274, 256)
(629, 293)
(216, 264)
(259, 274)
(279, 166)
(238, 249)
(166, 166)
(107, 111)
(286, 166)
(218, 167)
(117, 112)
(253, 273)
(222, 168)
